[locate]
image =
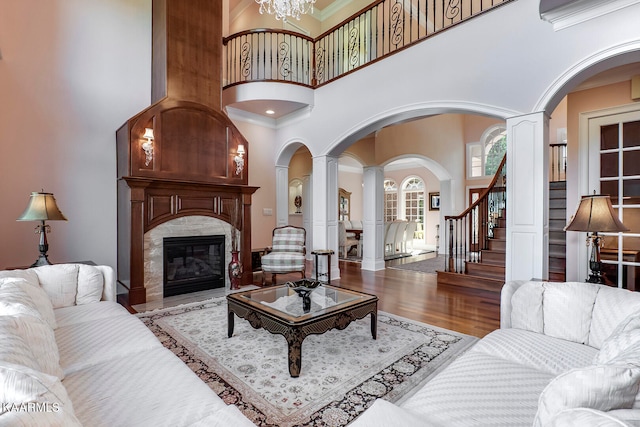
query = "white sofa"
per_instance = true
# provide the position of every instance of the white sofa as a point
(566, 354)
(71, 355)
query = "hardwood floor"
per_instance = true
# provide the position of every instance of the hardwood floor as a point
(417, 296)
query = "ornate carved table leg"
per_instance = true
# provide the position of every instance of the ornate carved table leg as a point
(374, 324)
(294, 340)
(230, 323)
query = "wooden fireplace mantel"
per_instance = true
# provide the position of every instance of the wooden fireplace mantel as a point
(152, 202)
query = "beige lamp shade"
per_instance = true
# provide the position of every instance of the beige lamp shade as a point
(595, 214)
(42, 207)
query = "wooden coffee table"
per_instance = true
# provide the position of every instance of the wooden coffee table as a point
(279, 310)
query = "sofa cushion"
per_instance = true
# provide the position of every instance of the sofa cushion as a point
(459, 395)
(20, 384)
(584, 417)
(601, 387)
(58, 417)
(151, 388)
(526, 307)
(384, 414)
(612, 306)
(567, 309)
(15, 301)
(87, 312)
(38, 297)
(623, 346)
(40, 339)
(14, 348)
(90, 284)
(60, 282)
(29, 275)
(92, 342)
(547, 354)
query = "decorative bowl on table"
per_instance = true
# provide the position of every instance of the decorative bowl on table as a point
(303, 287)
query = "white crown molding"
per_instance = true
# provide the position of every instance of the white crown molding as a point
(581, 11)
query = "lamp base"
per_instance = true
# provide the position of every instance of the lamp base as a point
(596, 278)
(42, 260)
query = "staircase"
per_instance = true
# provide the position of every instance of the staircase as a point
(488, 271)
(557, 236)
(477, 240)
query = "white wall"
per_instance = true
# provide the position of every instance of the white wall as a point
(71, 73)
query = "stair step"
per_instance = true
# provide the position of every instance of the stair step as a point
(489, 271)
(557, 203)
(493, 257)
(497, 245)
(557, 185)
(557, 277)
(558, 193)
(557, 263)
(499, 233)
(469, 281)
(557, 236)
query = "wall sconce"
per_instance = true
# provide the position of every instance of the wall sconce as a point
(239, 159)
(148, 145)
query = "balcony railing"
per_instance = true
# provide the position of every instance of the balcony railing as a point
(383, 28)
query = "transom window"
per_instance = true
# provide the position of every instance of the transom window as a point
(484, 157)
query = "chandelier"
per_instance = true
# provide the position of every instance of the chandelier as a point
(285, 8)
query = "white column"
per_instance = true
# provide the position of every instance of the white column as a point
(527, 254)
(307, 210)
(447, 207)
(282, 196)
(325, 207)
(373, 218)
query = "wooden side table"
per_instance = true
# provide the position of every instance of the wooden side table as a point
(327, 253)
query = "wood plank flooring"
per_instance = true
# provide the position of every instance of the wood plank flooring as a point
(416, 296)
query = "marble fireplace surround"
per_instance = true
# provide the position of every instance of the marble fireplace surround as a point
(187, 226)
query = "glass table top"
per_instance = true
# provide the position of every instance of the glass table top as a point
(284, 300)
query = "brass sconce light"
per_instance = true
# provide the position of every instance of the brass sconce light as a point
(147, 146)
(239, 159)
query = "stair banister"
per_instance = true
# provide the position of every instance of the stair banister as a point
(470, 231)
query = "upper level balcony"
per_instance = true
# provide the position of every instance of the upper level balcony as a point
(258, 61)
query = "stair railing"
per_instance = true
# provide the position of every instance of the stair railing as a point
(470, 232)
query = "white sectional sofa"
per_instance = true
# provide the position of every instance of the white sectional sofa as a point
(71, 355)
(566, 354)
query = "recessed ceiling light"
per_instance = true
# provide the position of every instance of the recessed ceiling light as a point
(270, 112)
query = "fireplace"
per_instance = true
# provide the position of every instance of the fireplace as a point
(192, 264)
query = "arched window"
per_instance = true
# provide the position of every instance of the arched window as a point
(484, 157)
(413, 191)
(390, 200)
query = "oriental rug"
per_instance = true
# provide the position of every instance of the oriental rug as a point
(342, 373)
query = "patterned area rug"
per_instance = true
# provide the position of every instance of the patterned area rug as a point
(428, 266)
(343, 372)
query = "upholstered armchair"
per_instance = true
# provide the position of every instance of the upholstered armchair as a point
(287, 252)
(346, 242)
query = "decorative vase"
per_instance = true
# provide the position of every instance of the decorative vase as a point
(235, 271)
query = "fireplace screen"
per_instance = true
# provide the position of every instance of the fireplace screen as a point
(193, 264)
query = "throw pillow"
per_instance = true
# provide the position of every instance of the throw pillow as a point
(526, 307)
(38, 296)
(21, 385)
(14, 301)
(13, 347)
(90, 284)
(41, 340)
(601, 387)
(620, 344)
(584, 417)
(29, 275)
(567, 309)
(60, 282)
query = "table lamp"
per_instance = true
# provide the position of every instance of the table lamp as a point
(42, 207)
(595, 214)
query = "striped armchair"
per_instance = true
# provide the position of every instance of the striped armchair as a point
(287, 253)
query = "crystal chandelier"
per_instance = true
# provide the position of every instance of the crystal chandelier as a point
(286, 8)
